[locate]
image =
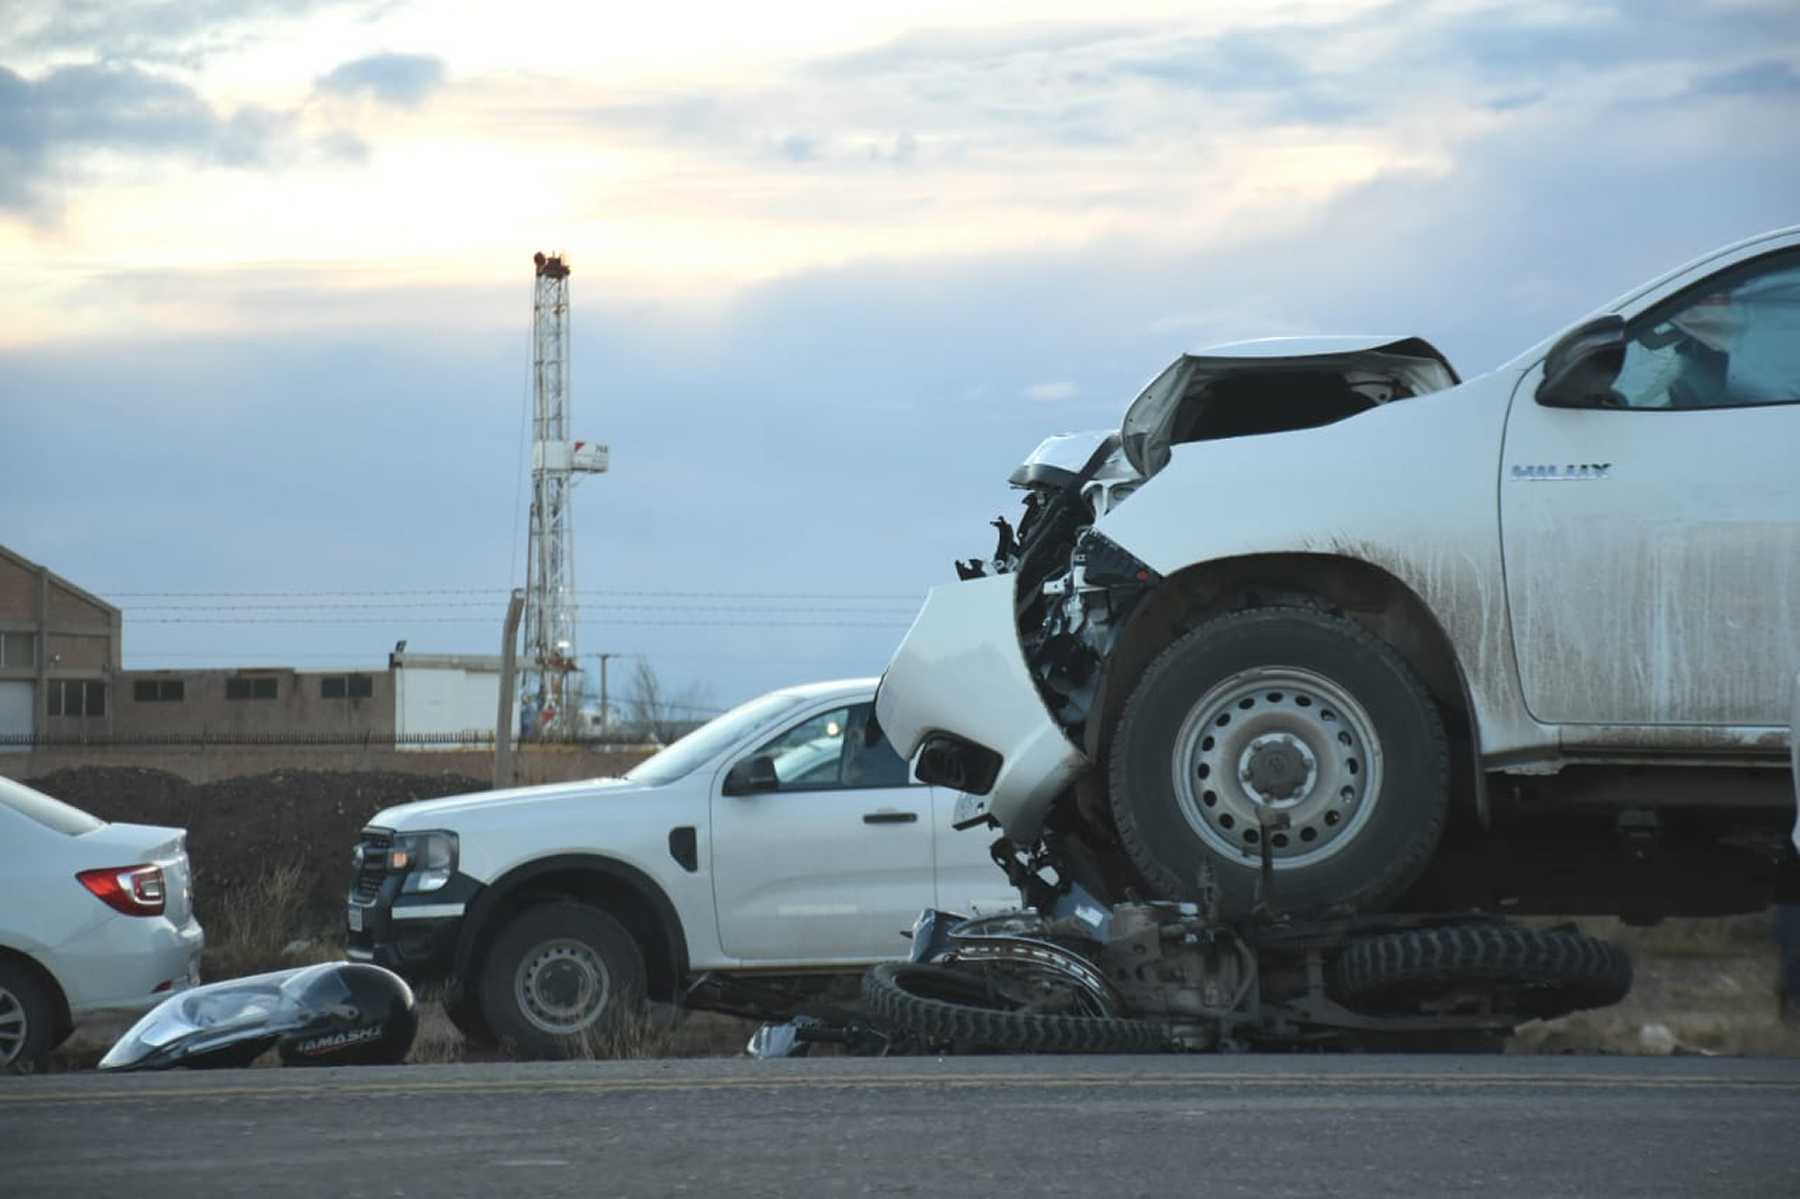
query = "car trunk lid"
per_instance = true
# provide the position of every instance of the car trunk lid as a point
(147, 845)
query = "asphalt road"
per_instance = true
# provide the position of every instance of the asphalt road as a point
(1098, 1127)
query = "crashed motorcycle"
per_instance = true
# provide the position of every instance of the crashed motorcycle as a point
(1070, 974)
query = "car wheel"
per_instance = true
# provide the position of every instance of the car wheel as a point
(1280, 714)
(25, 1018)
(561, 980)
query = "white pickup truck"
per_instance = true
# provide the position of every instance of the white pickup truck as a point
(777, 849)
(1525, 642)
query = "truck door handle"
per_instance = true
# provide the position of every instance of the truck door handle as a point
(890, 817)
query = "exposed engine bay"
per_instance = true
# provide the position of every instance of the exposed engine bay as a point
(1075, 588)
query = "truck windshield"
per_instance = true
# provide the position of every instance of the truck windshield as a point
(705, 742)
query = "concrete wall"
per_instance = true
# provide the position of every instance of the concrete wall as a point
(18, 592)
(69, 609)
(299, 706)
(534, 764)
(445, 700)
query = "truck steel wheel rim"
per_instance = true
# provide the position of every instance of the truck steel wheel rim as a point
(562, 986)
(13, 1028)
(1280, 740)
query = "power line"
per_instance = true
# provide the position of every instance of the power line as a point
(686, 608)
(347, 656)
(253, 653)
(412, 620)
(911, 597)
(297, 594)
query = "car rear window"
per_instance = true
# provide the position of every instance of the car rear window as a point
(53, 814)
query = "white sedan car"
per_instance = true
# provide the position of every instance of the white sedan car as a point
(93, 917)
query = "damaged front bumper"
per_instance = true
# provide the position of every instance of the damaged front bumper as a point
(959, 687)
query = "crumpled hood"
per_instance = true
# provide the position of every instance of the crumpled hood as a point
(1274, 385)
(1059, 458)
(1323, 345)
(446, 812)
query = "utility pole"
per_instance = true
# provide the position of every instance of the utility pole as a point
(503, 731)
(605, 712)
(545, 687)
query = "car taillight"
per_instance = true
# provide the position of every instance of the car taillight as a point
(133, 890)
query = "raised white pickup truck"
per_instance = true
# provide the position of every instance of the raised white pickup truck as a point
(775, 851)
(1521, 643)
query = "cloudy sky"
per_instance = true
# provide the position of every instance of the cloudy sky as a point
(837, 267)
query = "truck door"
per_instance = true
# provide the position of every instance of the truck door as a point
(835, 861)
(1652, 549)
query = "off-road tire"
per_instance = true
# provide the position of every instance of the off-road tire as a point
(1544, 972)
(570, 923)
(943, 1007)
(1401, 832)
(27, 1009)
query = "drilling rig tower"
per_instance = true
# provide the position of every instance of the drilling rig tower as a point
(549, 683)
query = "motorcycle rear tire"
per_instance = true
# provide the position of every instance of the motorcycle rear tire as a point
(1542, 973)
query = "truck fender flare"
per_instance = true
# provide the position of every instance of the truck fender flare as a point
(1216, 586)
(482, 916)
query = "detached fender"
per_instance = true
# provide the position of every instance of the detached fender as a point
(608, 877)
(960, 670)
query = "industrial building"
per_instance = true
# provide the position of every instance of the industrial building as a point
(417, 696)
(59, 651)
(61, 679)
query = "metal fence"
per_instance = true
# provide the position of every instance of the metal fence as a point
(471, 739)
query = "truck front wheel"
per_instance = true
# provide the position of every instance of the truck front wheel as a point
(561, 980)
(1284, 723)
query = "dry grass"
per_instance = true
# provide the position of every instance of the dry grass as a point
(1701, 986)
(657, 1032)
(1720, 936)
(249, 928)
(437, 1039)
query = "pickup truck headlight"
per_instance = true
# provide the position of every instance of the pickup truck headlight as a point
(426, 859)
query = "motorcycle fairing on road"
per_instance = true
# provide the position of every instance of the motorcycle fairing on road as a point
(330, 1014)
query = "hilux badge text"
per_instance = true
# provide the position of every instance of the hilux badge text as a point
(1573, 472)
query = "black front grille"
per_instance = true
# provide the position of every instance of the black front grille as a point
(373, 866)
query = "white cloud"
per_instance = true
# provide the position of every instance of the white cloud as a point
(888, 137)
(1052, 393)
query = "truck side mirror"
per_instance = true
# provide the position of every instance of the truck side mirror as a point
(1582, 366)
(752, 775)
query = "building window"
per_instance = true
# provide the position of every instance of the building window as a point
(250, 688)
(18, 651)
(346, 686)
(76, 697)
(159, 691)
